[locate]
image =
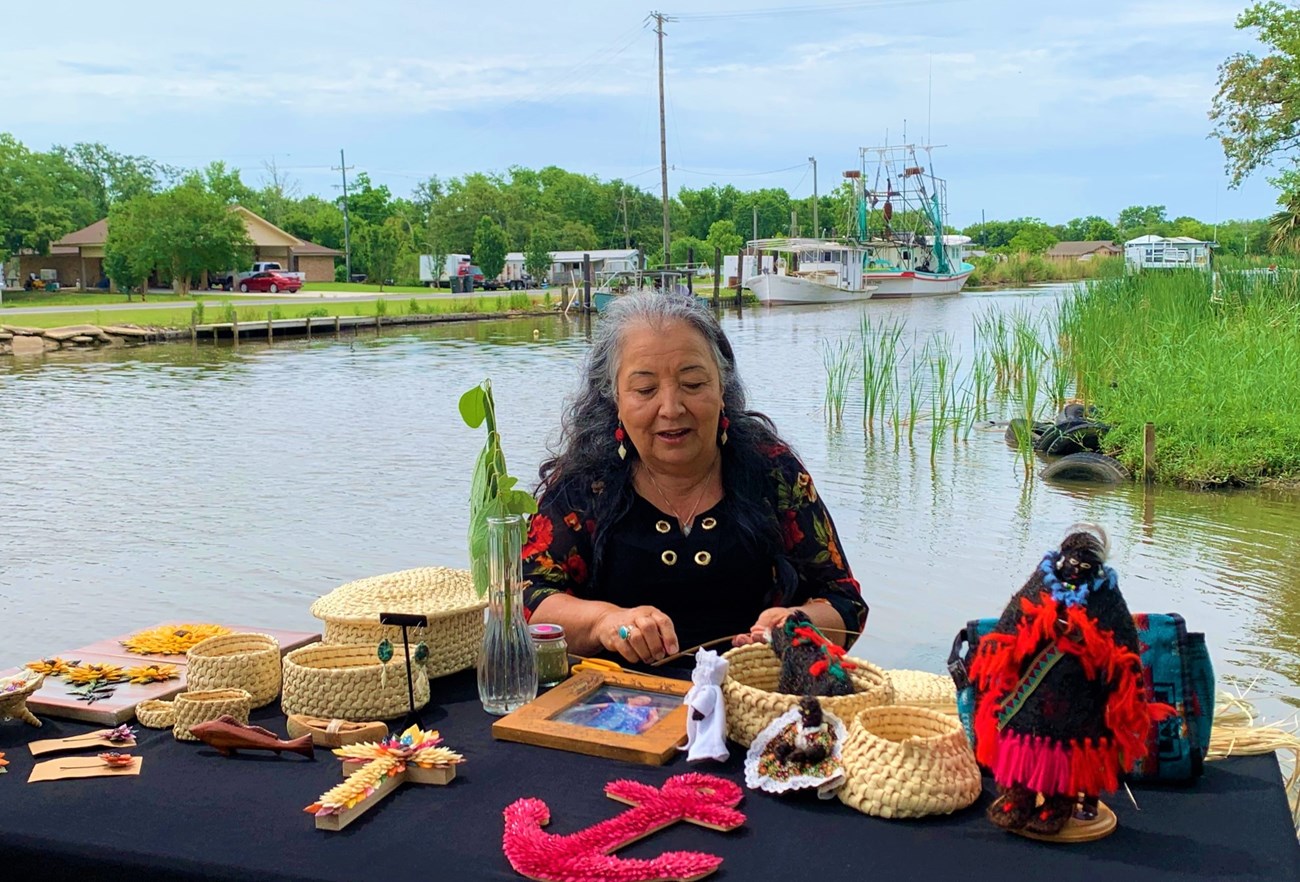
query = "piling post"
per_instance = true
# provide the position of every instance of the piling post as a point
(740, 277)
(308, 329)
(717, 276)
(338, 327)
(234, 331)
(690, 270)
(586, 281)
(270, 330)
(1149, 453)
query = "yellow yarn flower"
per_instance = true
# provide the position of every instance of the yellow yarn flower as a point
(54, 667)
(151, 673)
(101, 672)
(170, 639)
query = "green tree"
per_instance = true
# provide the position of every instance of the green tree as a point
(1088, 229)
(366, 202)
(490, 246)
(1256, 109)
(129, 258)
(1032, 238)
(1141, 220)
(575, 235)
(722, 235)
(1284, 224)
(537, 258)
(380, 247)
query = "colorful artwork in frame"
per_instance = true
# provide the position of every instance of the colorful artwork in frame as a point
(616, 714)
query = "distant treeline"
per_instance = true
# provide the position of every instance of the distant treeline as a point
(46, 195)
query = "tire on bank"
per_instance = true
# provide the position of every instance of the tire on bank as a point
(1095, 468)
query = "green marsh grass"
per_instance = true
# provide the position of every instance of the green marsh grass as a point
(839, 357)
(1217, 375)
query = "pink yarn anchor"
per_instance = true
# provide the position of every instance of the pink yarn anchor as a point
(585, 856)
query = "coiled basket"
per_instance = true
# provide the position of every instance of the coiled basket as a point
(236, 661)
(446, 597)
(191, 708)
(908, 762)
(348, 683)
(752, 701)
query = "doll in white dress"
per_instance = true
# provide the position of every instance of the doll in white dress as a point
(706, 720)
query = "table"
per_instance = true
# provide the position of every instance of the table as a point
(192, 814)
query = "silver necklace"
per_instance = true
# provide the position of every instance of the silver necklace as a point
(684, 523)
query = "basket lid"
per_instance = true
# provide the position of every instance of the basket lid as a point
(429, 591)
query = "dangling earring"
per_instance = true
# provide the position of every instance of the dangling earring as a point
(620, 436)
(723, 424)
(385, 653)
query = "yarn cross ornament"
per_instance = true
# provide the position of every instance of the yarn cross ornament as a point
(832, 659)
(585, 856)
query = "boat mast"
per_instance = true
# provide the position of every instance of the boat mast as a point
(660, 18)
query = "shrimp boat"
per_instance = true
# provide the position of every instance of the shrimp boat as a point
(896, 246)
(901, 208)
(812, 271)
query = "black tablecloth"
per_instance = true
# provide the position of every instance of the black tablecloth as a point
(192, 814)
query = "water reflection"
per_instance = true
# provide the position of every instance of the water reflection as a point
(208, 482)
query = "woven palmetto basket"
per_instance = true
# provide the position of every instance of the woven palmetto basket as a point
(13, 702)
(201, 705)
(908, 762)
(348, 683)
(445, 596)
(923, 689)
(236, 661)
(752, 701)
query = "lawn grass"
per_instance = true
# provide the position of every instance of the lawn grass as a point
(355, 288)
(14, 299)
(184, 316)
(1216, 374)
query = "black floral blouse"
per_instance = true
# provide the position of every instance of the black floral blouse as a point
(710, 582)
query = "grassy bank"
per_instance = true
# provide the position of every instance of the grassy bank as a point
(184, 316)
(15, 299)
(1027, 269)
(1217, 375)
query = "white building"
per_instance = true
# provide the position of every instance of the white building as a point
(1163, 252)
(566, 266)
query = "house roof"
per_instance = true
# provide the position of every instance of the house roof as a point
(574, 256)
(263, 233)
(1153, 240)
(1075, 249)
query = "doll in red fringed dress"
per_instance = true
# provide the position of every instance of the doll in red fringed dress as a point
(1061, 709)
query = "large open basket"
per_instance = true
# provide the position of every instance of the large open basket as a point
(236, 661)
(445, 596)
(752, 702)
(907, 762)
(347, 683)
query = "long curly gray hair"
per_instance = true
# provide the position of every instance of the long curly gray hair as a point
(586, 474)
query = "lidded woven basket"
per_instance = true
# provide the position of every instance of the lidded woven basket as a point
(908, 762)
(236, 661)
(923, 689)
(752, 700)
(200, 706)
(347, 683)
(445, 596)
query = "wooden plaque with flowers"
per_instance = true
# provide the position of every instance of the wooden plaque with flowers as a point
(616, 714)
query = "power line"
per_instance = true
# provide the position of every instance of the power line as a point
(344, 168)
(719, 174)
(789, 10)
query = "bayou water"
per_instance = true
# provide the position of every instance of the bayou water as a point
(205, 483)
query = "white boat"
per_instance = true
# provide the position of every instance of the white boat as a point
(813, 271)
(901, 269)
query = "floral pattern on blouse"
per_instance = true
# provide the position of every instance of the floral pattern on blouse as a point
(558, 553)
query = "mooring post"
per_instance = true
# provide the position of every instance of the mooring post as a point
(1149, 453)
(717, 276)
(337, 327)
(586, 281)
(309, 329)
(234, 330)
(270, 330)
(740, 277)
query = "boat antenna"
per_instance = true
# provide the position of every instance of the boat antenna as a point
(929, 99)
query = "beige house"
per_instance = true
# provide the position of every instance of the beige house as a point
(1083, 251)
(77, 260)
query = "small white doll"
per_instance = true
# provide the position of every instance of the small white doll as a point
(706, 721)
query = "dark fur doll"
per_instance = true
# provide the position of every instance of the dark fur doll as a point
(1061, 708)
(810, 664)
(803, 750)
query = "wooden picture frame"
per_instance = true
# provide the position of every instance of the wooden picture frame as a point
(537, 722)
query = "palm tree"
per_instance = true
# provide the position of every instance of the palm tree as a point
(1285, 224)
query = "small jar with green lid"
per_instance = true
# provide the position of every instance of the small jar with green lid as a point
(552, 653)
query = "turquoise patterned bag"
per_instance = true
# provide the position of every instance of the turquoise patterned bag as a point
(1177, 671)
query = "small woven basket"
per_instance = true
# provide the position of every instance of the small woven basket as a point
(14, 692)
(445, 596)
(923, 689)
(347, 682)
(752, 702)
(236, 661)
(155, 714)
(192, 708)
(908, 762)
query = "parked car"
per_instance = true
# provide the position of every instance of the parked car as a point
(230, 281)
(271, 282)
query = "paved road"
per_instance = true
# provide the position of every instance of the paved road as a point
(216, 302)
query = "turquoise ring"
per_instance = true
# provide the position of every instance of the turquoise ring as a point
(624, 632)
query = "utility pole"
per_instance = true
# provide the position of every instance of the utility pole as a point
(660, 18)
(755, 207)
(347, 233)
(627, 241)
(816, 229)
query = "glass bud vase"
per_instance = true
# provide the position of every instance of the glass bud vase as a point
(507, 663)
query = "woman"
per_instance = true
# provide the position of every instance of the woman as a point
(673, 516)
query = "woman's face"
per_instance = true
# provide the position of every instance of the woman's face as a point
(669, 396)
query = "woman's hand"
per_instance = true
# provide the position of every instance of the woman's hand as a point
(772, 617)
(640, 634)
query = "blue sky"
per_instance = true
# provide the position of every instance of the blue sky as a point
(1046, 109)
